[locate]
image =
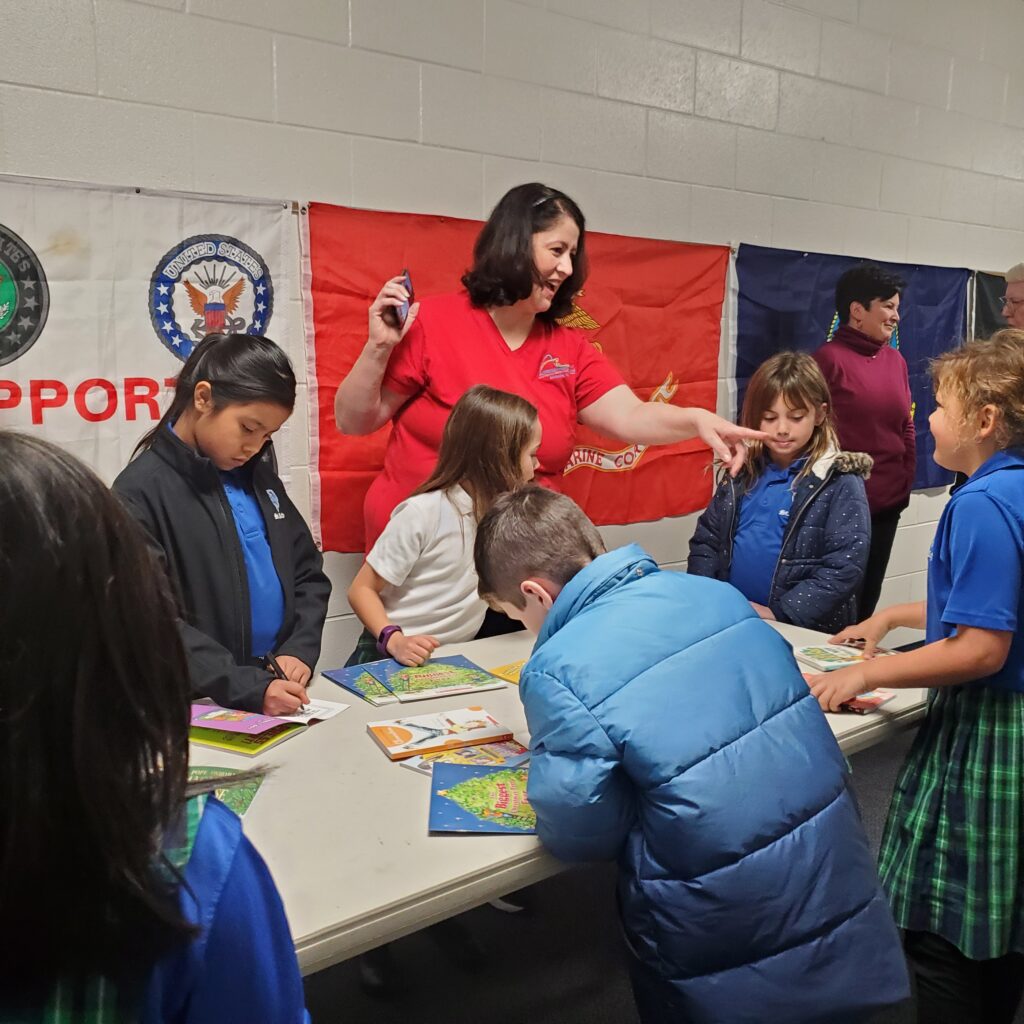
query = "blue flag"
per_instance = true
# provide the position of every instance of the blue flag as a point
(787, 301)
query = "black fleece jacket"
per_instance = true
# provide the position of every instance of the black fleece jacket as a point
(177, 496)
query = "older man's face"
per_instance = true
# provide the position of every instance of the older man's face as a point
(1013, 304)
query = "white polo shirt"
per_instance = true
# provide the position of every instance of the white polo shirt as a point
(426, 555)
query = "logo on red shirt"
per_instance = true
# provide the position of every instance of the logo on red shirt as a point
(552, 369)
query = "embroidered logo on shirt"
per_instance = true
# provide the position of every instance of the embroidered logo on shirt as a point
(552, 369)
(276, 502)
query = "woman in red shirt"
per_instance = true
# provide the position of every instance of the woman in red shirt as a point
(529, 262)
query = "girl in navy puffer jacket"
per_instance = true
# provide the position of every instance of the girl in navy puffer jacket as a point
(792, 531)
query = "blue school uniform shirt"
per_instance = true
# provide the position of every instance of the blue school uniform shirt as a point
(764, 516)
(976, 562)
(266, 596)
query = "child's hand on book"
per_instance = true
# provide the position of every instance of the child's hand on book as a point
(284, 697)
(864, 635)
(411, 650)
(294, 669)
(835, 688)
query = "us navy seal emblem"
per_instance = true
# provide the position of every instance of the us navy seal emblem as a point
(24, 296)
(208, 284)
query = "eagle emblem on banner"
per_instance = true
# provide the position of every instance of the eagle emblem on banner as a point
(209, 284)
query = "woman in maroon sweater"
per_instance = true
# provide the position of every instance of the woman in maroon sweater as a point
(871, 398)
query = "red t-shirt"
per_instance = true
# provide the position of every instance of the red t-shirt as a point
(454, 345)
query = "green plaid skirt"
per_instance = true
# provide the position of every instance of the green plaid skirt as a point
(951, 858)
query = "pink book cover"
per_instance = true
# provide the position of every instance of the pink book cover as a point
(212, 716)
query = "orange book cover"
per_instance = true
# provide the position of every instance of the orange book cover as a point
(400, 738)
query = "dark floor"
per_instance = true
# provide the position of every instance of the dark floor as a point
(557, 963)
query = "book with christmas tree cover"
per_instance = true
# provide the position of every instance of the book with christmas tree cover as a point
(826, 657)
(358, 681)
(473, 798)
(236, 795)
(507, 754)
(400, 738)
(436, 677)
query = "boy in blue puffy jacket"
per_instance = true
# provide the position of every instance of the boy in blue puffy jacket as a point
(672, 730)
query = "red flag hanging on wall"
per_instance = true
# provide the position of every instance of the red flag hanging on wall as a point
(653, 307)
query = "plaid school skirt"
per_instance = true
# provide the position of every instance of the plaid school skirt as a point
(951, 858)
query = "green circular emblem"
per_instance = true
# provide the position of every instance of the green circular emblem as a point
(24, 296)
(8, 295)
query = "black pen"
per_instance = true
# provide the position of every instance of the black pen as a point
(278, 672)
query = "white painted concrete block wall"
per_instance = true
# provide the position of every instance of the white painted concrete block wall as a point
(889, 128)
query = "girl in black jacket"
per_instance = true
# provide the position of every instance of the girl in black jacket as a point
(248, 577)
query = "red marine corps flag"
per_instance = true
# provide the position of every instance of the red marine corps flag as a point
(653, 307)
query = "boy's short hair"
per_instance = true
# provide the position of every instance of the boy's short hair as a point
(864, 283)
(528, 533)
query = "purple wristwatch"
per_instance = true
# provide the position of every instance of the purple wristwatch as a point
(385, 635)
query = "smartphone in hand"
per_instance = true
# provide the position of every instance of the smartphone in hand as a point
(397, 315)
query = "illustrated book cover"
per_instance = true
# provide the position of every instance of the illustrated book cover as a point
(472, 798)
(236, 795)
(508, 754)
(357, 680)
(826, 657)
(400, 738)
(437, 677)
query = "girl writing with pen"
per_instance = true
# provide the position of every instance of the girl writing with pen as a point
(248, 577)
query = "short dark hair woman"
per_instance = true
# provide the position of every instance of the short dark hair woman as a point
(872, 404)
(124, 895)
(529, 262)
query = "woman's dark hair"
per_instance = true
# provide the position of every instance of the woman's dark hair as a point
(239, 368)
(503, 270)
(94, 714)
(864, 283)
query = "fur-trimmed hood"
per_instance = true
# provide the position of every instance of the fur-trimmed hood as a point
(859, 463)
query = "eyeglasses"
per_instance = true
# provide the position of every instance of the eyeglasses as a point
(1007, 301)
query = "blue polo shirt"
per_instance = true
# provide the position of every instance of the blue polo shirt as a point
(764, 516)
(266, 596)
(976, 563)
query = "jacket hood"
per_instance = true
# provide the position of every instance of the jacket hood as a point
(603, 574)
(858, 463)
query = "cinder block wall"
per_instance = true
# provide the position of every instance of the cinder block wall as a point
(892, 128)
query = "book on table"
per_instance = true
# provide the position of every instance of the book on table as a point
(249, 733)
(504, 754)
(386, 681)
(400, 738)
(475, 798)
(827, 657)
(436, 677)
(358, 681)
(236, 795)
(510, 672)
(870, 701)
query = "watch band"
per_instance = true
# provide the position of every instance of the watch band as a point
(385, 635)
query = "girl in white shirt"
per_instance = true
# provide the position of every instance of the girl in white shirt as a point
(417, 588)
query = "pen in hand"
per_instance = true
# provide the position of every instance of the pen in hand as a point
(278, 673)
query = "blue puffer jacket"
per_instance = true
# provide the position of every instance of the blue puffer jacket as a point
(824, 551)
(671, 729)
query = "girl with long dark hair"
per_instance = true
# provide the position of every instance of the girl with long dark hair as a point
(125, 894)
(203, 483)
